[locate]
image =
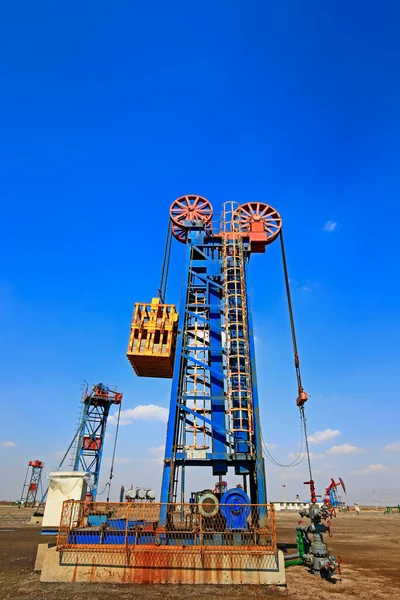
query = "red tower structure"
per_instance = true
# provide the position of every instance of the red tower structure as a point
(33, 480)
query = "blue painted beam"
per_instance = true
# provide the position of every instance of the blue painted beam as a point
(204, 320)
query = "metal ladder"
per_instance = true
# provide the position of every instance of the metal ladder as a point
(239, 408)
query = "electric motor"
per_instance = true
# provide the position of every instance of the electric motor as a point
(235, 507)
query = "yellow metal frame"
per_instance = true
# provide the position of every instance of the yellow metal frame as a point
(152, 339)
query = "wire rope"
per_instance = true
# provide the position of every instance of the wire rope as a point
(303, 421)
(295, 351)
(113, 456)
(299, 458)
(162, 290)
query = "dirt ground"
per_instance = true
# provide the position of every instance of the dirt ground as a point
(369, 545)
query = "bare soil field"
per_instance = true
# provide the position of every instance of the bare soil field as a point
(369, 545)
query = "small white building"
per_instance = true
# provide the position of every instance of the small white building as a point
(292, 505)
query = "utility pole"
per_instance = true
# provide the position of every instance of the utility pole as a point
(284, 494)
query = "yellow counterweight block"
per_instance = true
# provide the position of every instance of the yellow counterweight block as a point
(151, 348)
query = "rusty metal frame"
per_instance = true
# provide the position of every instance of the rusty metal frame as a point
(188, 531)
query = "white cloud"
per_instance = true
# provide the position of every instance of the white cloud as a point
(393, 447)
(308, 286)
(372, 469)
(319, 437)
(329, 226)
(8, 444)
(270, 446)
(157, 450)
(305, 287)
(158, 454)
(328, 466)
(344, 449)
(143, 412)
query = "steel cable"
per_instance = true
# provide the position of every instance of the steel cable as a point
(294, 342)
(299, 458)
(303, 422)
(162, 290)
(113, 455)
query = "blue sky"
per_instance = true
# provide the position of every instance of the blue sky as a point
(107, 114)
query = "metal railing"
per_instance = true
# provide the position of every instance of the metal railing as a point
(135, 527)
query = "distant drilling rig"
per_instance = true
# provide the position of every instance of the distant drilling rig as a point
(88, 443)
(32, 483)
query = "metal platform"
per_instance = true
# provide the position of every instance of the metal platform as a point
(126, 543)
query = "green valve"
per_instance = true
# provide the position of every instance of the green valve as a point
(300, 542)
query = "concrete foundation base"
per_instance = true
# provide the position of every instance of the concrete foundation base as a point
(188, 567)
(40, 555)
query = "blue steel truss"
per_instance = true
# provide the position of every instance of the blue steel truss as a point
(91, 432)
(214, 413)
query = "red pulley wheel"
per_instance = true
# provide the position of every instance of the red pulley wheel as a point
(190, 208)
(253, 212)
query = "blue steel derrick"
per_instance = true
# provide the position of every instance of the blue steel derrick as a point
(196, 427)
(92, 429)
(214, 419)
(214, 412)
